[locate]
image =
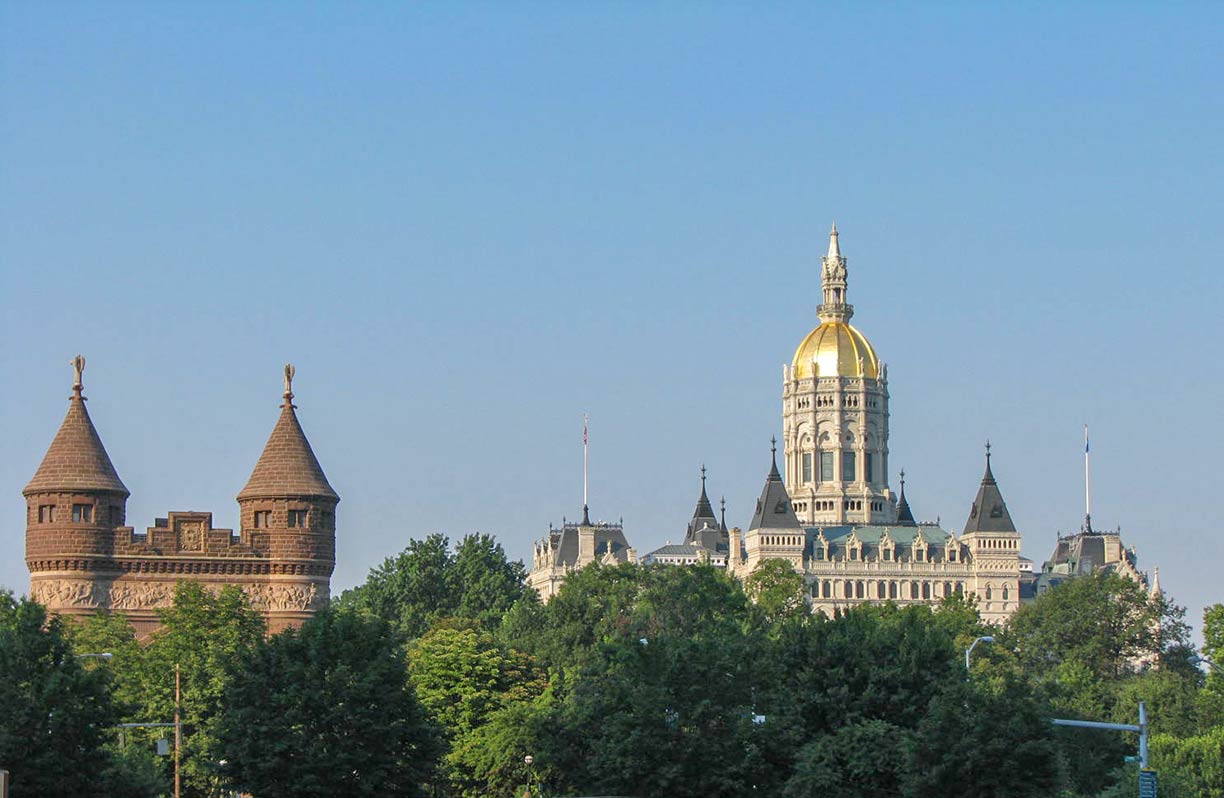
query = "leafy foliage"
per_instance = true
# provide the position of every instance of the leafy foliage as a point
(57, 709)
(326, 710)
(427, 582)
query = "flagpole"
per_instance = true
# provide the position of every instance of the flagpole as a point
(585, 458)
(1087, 483)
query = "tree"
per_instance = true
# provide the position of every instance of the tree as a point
(1103, 622)
(463, 675)
(427, 582)
(778, 591)
(982, 743)
(326, 710)
(56, 709)
(202, 633)
(863, 760)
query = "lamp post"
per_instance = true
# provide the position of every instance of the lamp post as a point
(973, 645)
(1199, 659)
(102, 655)
(528, 761)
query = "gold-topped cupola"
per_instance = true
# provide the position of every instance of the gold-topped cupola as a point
(835, 414)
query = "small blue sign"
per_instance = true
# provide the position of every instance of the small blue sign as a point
(1147, 784)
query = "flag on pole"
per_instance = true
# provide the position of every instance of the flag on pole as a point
(584, 430)
(1085, 439)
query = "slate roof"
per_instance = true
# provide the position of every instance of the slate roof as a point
(871, 536)
(288, 466)
(989, 511)
(704, 529)
(773, 509)
(565, 541)
(76, 459)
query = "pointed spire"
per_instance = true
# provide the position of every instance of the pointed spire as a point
(76, 459)
(834, 306)
(722, 525)
(989, 511)
(774, 509)
(287, 466)
(905, 516)
(1156, 582)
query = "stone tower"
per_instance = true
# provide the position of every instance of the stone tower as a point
(74, 504)
(994, 546)
(83, 558)
(835, 415)
(288, 509)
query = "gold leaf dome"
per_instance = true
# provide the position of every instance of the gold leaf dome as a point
(838, 350)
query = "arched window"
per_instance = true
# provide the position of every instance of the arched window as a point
(988, 592)
(926, 590)
(1005, 593)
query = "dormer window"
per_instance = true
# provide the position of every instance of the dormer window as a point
(263, 519)
(887, 554)
(297, 518)
(82, 513)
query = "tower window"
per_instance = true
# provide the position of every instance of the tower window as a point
(868, 472)
(807, 467)
(46, 513)
(826, 466)
(82, 513)
(847, 466)
(263, 519)
(297, 518)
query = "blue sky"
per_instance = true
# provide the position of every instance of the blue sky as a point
(468, 223)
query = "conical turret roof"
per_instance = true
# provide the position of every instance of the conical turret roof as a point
(774, 510)
(905, 516)
(288, 466)
(76, 459)
(989, 511)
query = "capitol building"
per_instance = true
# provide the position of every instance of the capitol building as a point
(834, 516)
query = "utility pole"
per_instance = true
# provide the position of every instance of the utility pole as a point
(178, 728)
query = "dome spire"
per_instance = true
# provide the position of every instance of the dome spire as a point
(834, 306)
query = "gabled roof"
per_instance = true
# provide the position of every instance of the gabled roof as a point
(76, 459)
(989, 511)
(774, 510)
(288, 466)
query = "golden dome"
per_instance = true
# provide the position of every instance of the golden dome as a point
(838, 350)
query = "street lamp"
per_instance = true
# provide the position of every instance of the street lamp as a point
(1198, 659)
(103, 655)
(973, 645)
(528, 761)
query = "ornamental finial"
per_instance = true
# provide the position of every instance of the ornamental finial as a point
(288, 396)
(834, 249)
(78, 368)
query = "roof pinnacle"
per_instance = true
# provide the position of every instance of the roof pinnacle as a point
(834, 249)
(288, 395)
(78, 367)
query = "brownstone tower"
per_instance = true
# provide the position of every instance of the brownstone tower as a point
(74, 504)
(82, 558)
(289, 510)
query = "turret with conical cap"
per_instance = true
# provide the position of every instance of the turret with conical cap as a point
(288, 508)
(74, 503)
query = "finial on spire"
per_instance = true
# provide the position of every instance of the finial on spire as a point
(988, 450)
(903, 480)
(773, 445)
(288, 395)
(834, 249)
(703, 476)
(78, 368)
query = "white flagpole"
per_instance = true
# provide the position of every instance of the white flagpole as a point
(1087, 482)
(585, 458)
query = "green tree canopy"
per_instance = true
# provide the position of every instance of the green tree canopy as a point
(324, 711)
(56, 711)
(427, 582)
